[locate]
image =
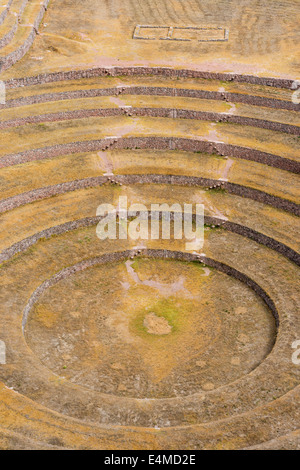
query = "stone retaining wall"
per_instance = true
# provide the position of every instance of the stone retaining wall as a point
(4, 40)
(10, 59)
(190, 181)
(154, 143)
(153, 254)
(172, 113)
(5, 11)
(154, 91)
(146, 71)
(241, 230)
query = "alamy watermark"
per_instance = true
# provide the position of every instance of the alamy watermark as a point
(296, 94)
(140, 223)
(296, 354)
(2, 93)
(2, 353)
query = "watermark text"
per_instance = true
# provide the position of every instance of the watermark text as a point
(139, 223)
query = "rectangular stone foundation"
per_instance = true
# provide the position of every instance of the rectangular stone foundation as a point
(181, 33)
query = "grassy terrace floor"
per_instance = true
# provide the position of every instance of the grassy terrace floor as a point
(150, 81)
(283, 116)
(43, 173)
(261, 36)
(47, 134)
(60, 252)
(32, 218)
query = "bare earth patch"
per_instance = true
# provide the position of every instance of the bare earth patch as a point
(157, 325)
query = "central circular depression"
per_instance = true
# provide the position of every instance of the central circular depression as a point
(150, 328)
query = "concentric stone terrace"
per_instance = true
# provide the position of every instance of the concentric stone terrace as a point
(123, 344)
(19, 22)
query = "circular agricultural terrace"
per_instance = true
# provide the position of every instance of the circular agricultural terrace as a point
(141, 344)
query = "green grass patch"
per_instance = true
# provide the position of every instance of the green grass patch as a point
(165, 308)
